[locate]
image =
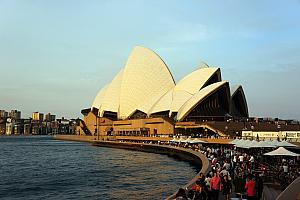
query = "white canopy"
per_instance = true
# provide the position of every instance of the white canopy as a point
(281, 151)
(189, 140)
(286, 144)
(174, 140)
(242, 143)
(183, 140)
(264, 144)
(197, 140)
(275, 142)
(253, 144)
(234, 141)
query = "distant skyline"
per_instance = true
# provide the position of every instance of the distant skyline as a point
(56, 55)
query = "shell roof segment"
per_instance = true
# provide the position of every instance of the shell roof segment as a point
(196, 80)
(238, 90)
(197, 98)
(163, 104)
(99, 97)
(145, 76)
(111, 100)
(146, 84)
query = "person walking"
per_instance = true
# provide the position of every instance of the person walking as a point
(215, 186)
(250, 188)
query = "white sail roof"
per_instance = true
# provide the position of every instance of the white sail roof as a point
(98, 99)
(179, 98)
(185, 89)
(146, 84)
(163, 104)
(145, 76)
(197, 98)
(111, 100)
(195, 81)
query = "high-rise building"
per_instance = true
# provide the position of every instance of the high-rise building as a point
(15, 114)
(3, 114)
(9, 126)
(49, 117)
(2, 126)
(37, 116)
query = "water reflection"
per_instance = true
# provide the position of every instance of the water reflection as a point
(41, 168)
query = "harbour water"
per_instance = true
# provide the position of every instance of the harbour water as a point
(39, 167)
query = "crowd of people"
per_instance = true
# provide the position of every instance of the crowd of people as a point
(235, 169)
(237, 173)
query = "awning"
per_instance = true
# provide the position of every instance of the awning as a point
(281, 151)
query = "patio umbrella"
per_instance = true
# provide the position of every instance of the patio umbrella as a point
(281, 151)
(234, 141)
(242, 143)
(238, 142)
(174, 140)
(253, 144)
(264, 144)
(196, 140)
(245, 144)
(182, 140)
(286, 144)
(275, 142)
(190, 140)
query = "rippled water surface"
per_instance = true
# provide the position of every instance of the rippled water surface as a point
(35, 167)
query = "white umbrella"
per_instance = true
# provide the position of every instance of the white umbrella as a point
(235, 141)
(270, 143)
(196, 140)
(286, 144)
(174, 140)
(276, 143)
(243, 144)
(182, 140)
(264, 144)
(238, 142)
(190, 140)
(281, 151)
(253, 144)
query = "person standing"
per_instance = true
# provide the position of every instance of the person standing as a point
(198, 192)
(227, 187)
(250, 188)
(259, 186)
(215, 186)
(181, 195)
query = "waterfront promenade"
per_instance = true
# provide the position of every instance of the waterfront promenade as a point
(186, 153)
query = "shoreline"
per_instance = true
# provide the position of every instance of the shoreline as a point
(185, 154)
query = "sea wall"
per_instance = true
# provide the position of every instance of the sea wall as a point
(189, 155)
(79, 138)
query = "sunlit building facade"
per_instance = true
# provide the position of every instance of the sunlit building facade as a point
(144, 100)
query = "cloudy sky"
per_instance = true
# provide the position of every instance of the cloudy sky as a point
(55, 55)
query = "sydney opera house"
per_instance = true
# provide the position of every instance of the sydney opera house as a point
(144, 100)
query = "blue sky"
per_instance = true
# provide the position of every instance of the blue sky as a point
(55, 55)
